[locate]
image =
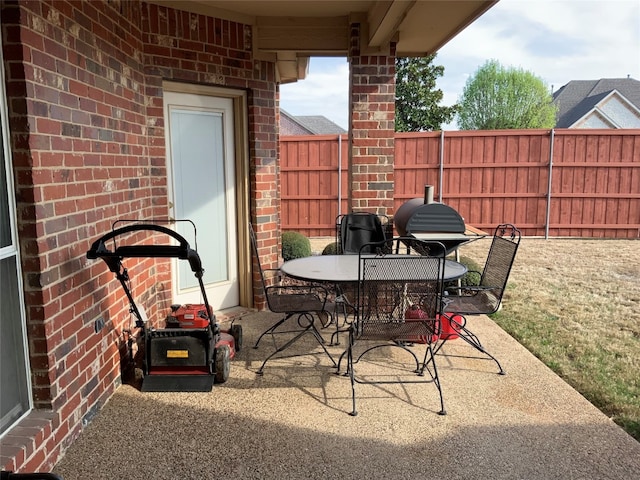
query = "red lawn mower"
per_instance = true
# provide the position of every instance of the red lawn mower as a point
(191, 352)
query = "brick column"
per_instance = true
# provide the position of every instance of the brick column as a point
(371, 127)
(265, 181)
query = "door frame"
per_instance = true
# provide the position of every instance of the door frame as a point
(242, 183)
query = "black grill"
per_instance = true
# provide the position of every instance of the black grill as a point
(415, 217)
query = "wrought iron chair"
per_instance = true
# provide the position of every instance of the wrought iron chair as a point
(398, 302)
(303, 301)
(486, 297)
(353, 230)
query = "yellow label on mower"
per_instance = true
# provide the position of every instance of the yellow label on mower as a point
(177, 353)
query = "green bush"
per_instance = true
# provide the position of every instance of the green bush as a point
(472, 277)
(331, 249)
(295, 245)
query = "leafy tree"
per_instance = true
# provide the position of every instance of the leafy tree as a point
(505, 98)
(417, 98)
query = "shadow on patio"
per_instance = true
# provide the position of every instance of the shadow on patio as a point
(293, 423)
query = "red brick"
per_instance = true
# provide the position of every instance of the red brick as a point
(34, 462)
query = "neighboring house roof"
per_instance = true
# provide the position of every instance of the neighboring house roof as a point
(604, 103)
(308, 125)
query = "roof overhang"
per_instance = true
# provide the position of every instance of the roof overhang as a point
(288, 32)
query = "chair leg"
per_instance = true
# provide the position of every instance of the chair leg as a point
(314, 331)
(353, 412)
(321, 342)
(436, 378)
(421, 367)
(272, 328)
(345, 304)
(309, 329)
(339, 303)
(471, 338)
(326, 318)
(342, 355)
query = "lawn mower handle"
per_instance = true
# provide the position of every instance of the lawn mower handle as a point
(183, 251)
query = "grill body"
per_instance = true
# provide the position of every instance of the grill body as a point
(416, 217)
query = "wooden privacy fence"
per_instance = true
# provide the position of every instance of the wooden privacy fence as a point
(551, 183)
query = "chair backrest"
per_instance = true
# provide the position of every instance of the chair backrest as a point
(356, 229)
(502, 253)
(254, 248)
(399, 295)
(268, 282)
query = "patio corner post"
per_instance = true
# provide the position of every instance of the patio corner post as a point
(371, 126)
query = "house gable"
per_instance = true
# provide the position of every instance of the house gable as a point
(605, 103)
(611, 111)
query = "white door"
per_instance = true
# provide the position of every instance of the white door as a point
(199, 130)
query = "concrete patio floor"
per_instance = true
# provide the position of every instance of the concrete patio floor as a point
(293, 423)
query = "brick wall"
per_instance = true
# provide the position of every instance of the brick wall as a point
(372, 113)
(265, 201)
(80, 161)
(216, 52)
(87, 132)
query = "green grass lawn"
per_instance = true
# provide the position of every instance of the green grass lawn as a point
(575, 304)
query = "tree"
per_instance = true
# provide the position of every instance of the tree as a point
(417, 98)
(496, 97)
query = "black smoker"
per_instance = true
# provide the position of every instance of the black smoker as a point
(422, 215)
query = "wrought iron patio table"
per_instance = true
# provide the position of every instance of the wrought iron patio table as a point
(344, 269)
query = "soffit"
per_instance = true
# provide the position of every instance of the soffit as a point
(288, 32)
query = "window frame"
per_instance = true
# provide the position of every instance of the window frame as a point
(12, 250)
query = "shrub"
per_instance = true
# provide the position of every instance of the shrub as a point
(295, 245)
(331, 249)
(472, 277)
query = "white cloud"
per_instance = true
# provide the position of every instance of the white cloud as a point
(557, 40)
(325, 91)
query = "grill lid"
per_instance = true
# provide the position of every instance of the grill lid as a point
(415, 216)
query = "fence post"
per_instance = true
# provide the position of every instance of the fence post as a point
(441, 171)
(548, 213)
(339, 174)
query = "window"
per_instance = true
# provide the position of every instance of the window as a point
(15, 389)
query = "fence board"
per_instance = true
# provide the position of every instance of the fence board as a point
(489, 177)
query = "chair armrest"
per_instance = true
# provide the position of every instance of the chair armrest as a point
(471, 288)
(320, 292)
(472, 293)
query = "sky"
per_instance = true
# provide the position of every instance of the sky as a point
(556, 40)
